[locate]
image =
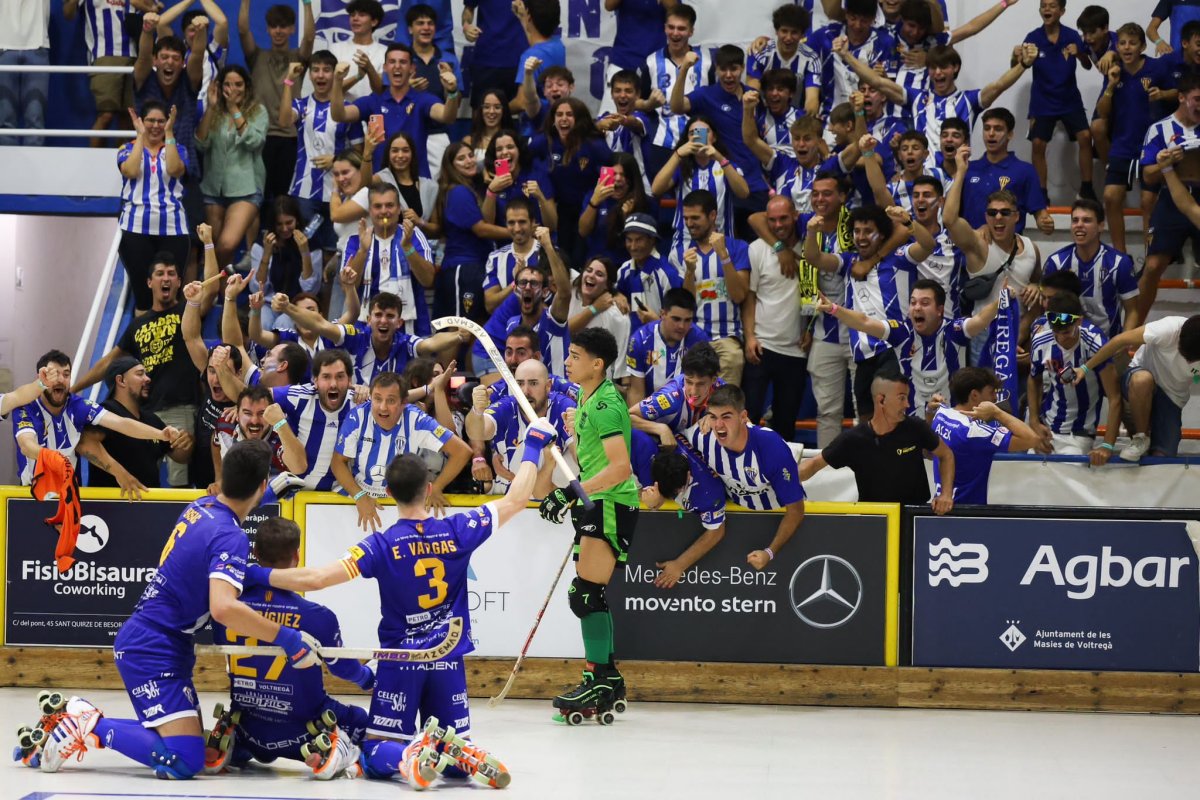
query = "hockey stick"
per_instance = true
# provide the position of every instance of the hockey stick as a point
(473, 328)
(435, 653)
(495, 701)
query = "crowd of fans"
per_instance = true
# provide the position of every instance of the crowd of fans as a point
(804, 213)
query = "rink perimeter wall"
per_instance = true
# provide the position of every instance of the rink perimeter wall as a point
(852, 596)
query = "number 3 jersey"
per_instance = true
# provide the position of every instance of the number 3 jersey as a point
(421, 567)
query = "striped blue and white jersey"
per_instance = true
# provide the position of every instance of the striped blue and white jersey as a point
(974, 443)
(316, 427)
(838, 81)
(647, 284)
(370, 447)
(1108, 278)
(387, 270)
(652, 359)
(1167, 133)
(511, 424)
(214, 61)
(557, 384)
(316, 135)
(929, 110)
(902, 190)
(554, 338)
(502, 265)
(883, 294)
(1066, 408)
(355, 339)
(663, 73)
(792, 179)
(152, 205)
(948, 266)
(806, 63)
(104, 29)
(928, 361)
(763, 476)
(719, 316)
(60, 432)
(775, 131)
(712, 179)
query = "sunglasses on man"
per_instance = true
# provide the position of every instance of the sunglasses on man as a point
(1061, 320)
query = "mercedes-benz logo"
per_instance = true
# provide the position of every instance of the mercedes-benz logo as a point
(827, 597)
(93, 534)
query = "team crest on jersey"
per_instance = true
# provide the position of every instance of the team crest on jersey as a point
(655, 356)
(752, 473)
(893, 323)
(664, 403)
(583, 162)
(1145, 84)
(267, 597)
(1004, 181)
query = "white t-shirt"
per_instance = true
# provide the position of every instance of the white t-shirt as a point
(1020, 271)
(24, 24)
(616, 323)
(344, 230)
(777, 308)
(345, 52)
(1160, 355)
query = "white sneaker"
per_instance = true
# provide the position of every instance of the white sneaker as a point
(340, 761)
(71, 736)
(1136, 448)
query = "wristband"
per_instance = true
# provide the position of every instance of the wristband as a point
(1086, 369)
(306, 2)
(428, 390)
(769, 552)
(1167, 169)
(778, 246)
(727, 262)
(43, 386)
(724, 163)
(833, 309)
(868, 153)
(491, 195)
(593, 310)
(237, 115)
(1159, 41)
(361, 494)
(170, 141)
(860, 113)
(1107, 446)
(146, 26)
(478, 459)
(257, 575)
(453, 95)
(288, 82)
(210, 246)
(254, 312)
(193, 305)
(410, 252)
(535, 442)
(1003, 4)
(278, 425)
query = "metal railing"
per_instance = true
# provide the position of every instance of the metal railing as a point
(63, 132)
(99, 301)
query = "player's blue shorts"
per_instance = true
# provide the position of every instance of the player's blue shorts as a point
(265, 739)
(156, 666)
(402, 691)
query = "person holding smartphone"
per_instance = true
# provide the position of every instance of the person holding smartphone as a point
(700, 163)
(618, 194)
(511, 172)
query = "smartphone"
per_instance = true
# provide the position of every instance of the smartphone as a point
(641, 306)
(375, 124)
(700, 135)
(608, 176)
(457, 381)
(502, 167)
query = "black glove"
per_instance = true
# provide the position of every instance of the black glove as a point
(557, 505)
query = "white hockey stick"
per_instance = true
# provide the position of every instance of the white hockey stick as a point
(495, 701)
(473, 328)
(435, 653)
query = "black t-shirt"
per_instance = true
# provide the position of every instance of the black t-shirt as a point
(890, 468)
(156, 340)
(139, 456)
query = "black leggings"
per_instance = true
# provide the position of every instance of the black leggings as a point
(137, 251)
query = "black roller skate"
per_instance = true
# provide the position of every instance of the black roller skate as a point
(594, 697)
(30, 739)
(218, 746)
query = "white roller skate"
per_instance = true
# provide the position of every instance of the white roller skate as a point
(219, 742)
(331, 755)
(71, 736)
(480, 766)
(30, 739)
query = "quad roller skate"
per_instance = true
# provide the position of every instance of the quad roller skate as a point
(71, 736)
(330, 754)
(596, 697)
(218, 746)
(480, 766)
(30, 739)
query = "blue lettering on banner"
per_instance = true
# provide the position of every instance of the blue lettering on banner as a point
(1106, 594)
(585, 15)
(599, 66)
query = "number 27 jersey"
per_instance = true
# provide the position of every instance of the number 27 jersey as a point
(421, 567)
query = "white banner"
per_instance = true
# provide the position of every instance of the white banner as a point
(1053, 483)
(510, 575)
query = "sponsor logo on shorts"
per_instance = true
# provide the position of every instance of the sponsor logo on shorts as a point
(462, 723)
(147, 691)
(387, 722)
(459, 697)
(154, 710)
(261, 700)
(397, 699)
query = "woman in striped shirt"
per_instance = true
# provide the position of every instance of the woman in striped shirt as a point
(152, 217)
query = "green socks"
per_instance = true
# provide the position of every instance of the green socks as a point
(597, 637)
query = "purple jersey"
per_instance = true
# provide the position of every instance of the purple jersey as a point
(422, 567)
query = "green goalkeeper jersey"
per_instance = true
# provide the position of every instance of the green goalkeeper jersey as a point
(601, 415)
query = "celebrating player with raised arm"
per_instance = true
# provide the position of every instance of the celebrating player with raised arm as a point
(421, 564)
(603, 533)
(200, 575)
